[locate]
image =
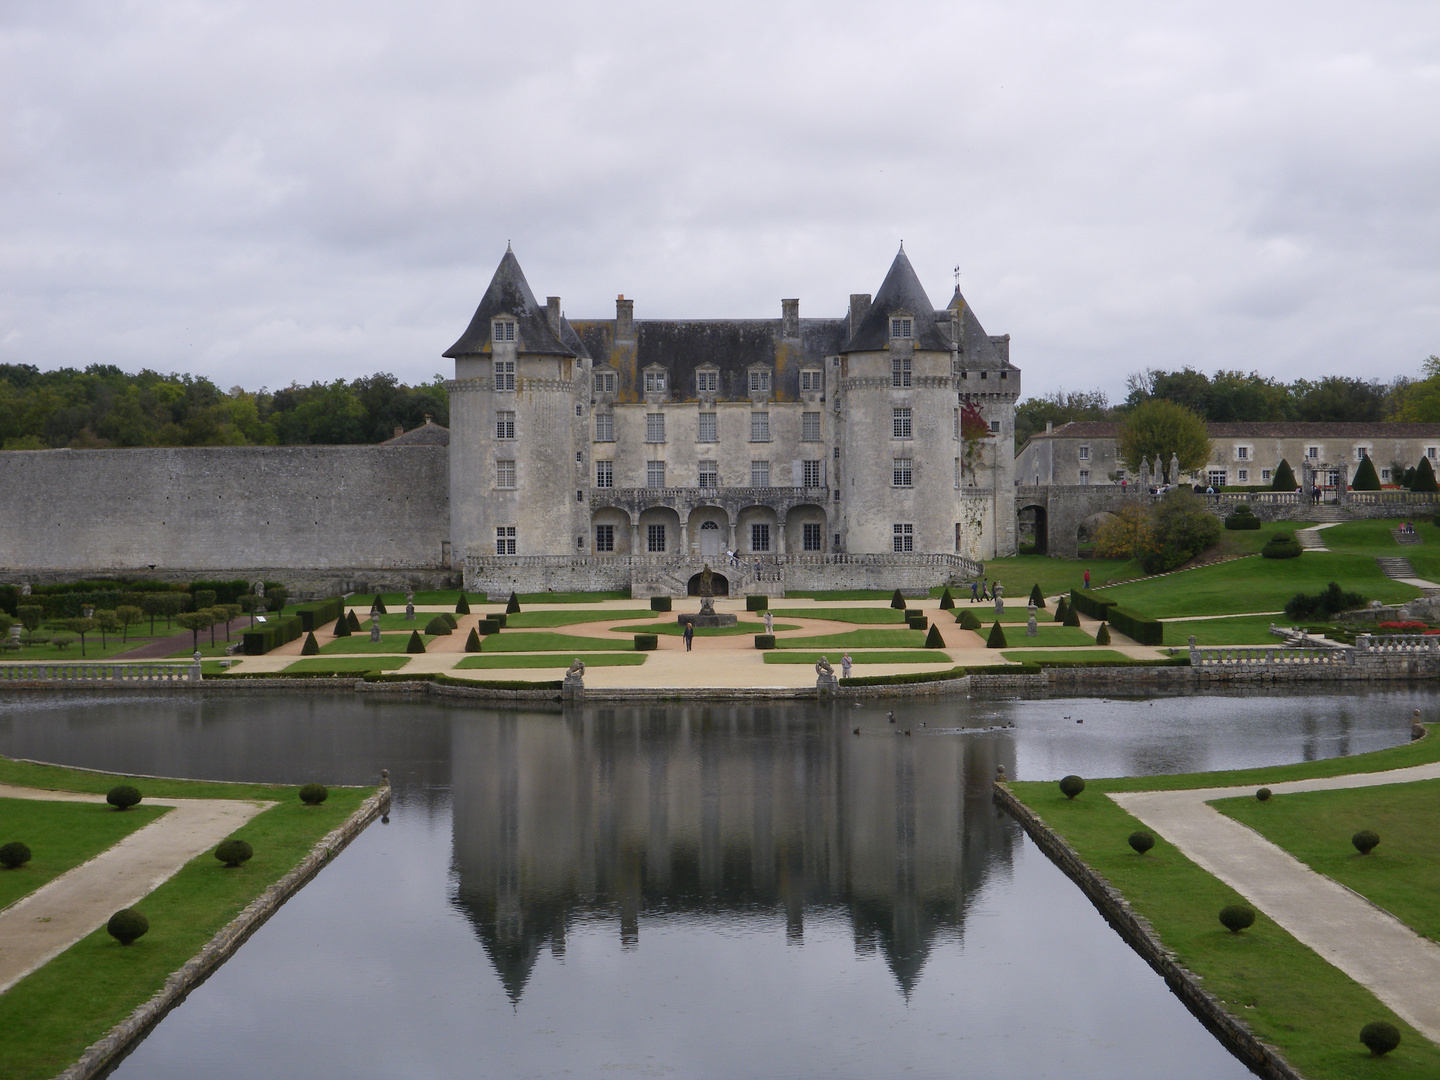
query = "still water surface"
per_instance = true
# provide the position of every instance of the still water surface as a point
(688, 890)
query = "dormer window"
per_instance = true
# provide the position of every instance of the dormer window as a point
(502, 330)
(759, 380)
(902, 329)
(655, 382)
(812, 380)
(604, 382)
(707, 382)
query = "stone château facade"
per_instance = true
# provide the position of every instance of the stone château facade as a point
(874, 449)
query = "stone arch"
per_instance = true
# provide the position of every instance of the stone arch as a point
(746, 533)
(709, 532)
(617, 521)
(719, 583)
(796, 519)
(666, 518)
(1086, 530)
(1034, 520)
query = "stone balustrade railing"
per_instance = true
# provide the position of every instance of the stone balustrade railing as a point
(98, 672)
(770, 564)
(1265, 655)
(1398, 644)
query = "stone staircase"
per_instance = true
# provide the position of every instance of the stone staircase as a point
(1393, 566)
(1311, 539)
(1402, 537)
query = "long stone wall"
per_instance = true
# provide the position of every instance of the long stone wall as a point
(224, 510)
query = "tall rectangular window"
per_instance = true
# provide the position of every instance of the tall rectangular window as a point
(707, 429)
(502, 330)
(1242, 475)
(1313, 453)
(504, 425)
(902, 328)
(900, 371)
(1242, 453)
(504, 474)
(654, 382)
(810, 474)
(504, 374)
(812, 380)
(810, 427)
(903, 538)
(707, 382)
(1361, 453)
(759, 381)
(655, 427)
(504, 539)
(604, 474)
(655, 538)
(604, 537)
(709, 475)
(604, 427)
(810, 536)
(655, 474)
(759, 427)
(956, 433)
(759, 474)
(759, 537)
(900, 423)
(1084, 453)
(1430, 452)
(605, 382)
(1084, 476)
(901, 471)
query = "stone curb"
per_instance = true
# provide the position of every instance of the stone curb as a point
(1137, 932)
(102, 1056)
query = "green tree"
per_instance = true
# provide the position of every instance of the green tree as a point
(228, 614)
(1125, 534)
(1162, 428)
(129, 615)
(1058, 408)
(1366, 478)
(194, 621)
(1284, 477)
(108, 622)
(1183, 528)
(1419, 402)
(80, 627)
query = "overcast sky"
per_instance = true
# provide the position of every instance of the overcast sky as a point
(267, 192)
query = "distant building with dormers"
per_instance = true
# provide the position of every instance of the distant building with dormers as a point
(803, 452)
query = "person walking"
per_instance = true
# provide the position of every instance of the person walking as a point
(984, 592)
(845, 665)
(689, 635)
(974, 590)
(1087, 577)
(769, 623)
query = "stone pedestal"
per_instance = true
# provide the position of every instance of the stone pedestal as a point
(1031, 630)
(827, 686)
(573, 687)
(409, 612)
(700, 618)
(375, 627)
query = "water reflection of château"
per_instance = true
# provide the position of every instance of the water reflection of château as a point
(720, 810)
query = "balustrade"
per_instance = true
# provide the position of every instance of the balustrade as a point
(70, 671)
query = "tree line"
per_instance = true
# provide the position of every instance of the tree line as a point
(103, 406)
(1235, 396)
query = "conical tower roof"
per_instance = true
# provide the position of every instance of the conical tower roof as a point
(900, 292)
(509, 294)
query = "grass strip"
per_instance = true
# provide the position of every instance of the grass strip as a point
(559, 661)
(1316, 827)
(361, 643)
(839, 594)
(867, 616)
(859, 659)
(857, 639)
(541, 641)
(572, 597)
(1239, 630)
(338, 664)
(60, 837)
(525, 619)
(1311, 1011)
(94, 650)
(1094, 656)
(742, 626)
(53, 1014)
(1048, 636)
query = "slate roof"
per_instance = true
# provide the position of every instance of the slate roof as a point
(900, 291)
(509, 294)
(1265, 429)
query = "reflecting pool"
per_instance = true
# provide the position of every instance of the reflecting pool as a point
(688, 889)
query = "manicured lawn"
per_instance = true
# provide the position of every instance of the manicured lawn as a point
(540, 641)
(348, 663)
(868, 616)
(1242, 630)
(1019, 572)
(525, 619)
(395, 601)
(1256, 584)
(1094, 656)
(1373, 538)
(562, 662)
(60, 837)
(859, 659)
(1049, 635)
(1287, 994)
(71, 653)
(50, 1016)
(857, 639)
(1316, 827)
(571, 597)
(394, 621)
(742, 626)
(361, 643)
(218, 649)
(840, 594)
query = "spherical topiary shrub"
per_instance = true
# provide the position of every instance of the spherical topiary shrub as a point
(14, 855)
(968, 620)
(450, 620)
(1141, 841)
(1380, 1037)
(1072, 785)
(1282, 545)
(234, 852)
(437, 627)
(313, 794)
(1365, 841)
(122, 797)
(1263, 794)
(126, 925)
(1237, 917)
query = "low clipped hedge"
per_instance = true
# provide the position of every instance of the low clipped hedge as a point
(1282, 545)
(262, 637)
(319, 613)
(1242, 518)
(1145, 630)
(488, 626)
(647, 642)
(1091, 605)
(448, 680)
(905, 677)
(757, 603)
(659, 603)
(764, 641)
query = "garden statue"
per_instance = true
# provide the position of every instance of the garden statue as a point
(707, 591)
(375, 626)
(1031, 630)
(258, 588)
(823, 668)
(825, 683)
(25, 588)
(410, 610)
(998, 592)
(573, 688)
(577, 669)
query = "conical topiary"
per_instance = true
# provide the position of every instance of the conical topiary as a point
(342, 626)
(946, 600)
(1061, 610)
(968, 620)
(415, 644)
(1424, 477)
(353, 621)
(1366, 478)
(1102, 636)
(933, 640)
(1036, 596)
(996, 640)
(462, 606)
(378, 605)
(897, 601)
(512, 607)
(1284, 477)
(311, 646)
(472, 643)
(1072, 617)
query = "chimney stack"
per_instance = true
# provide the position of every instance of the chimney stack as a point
(790, 318)
(552, 314)
(1049, 427)
(859, 304)
(624, 319)
(399, 431)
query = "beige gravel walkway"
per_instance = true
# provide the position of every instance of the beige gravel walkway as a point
(38, 927)
(1367, 943)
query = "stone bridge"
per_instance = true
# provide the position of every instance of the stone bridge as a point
(1063, 519)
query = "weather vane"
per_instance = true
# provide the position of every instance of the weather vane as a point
(957, 275)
